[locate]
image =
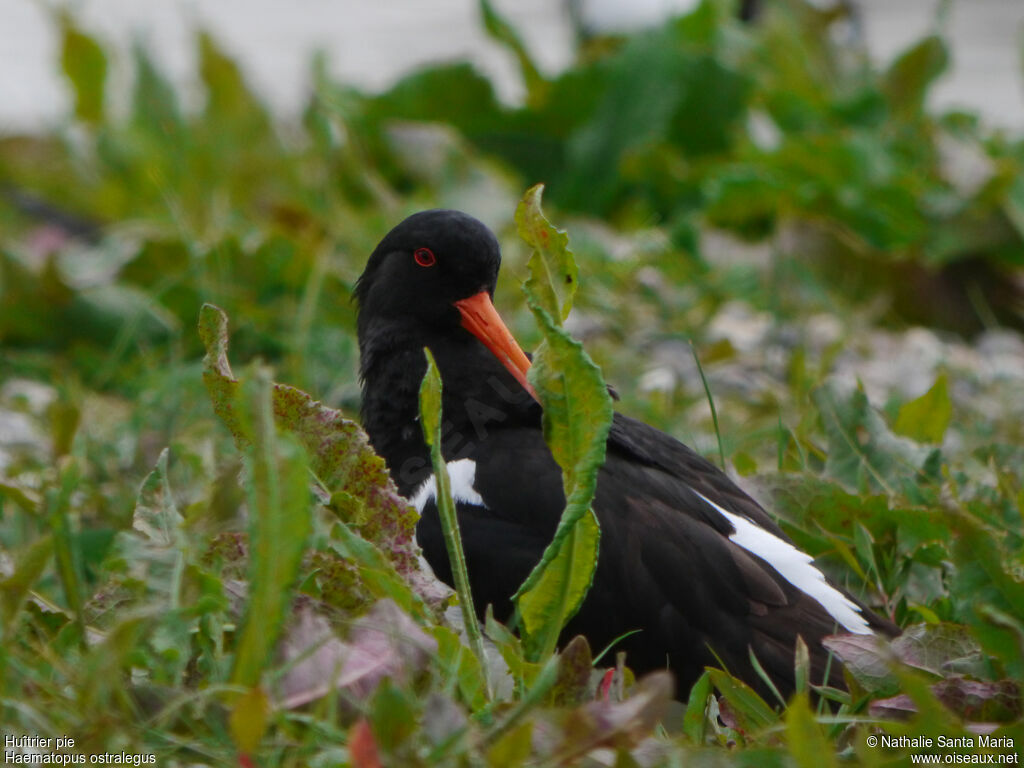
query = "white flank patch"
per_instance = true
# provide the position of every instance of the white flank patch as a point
(462, 474)
(796, 567)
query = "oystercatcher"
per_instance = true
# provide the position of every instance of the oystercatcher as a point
(686, 557)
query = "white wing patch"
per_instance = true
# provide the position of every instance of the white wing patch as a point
(796, 567)
(462, 474)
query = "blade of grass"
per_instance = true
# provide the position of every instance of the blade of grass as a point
(711, 402)
(430, 419)
(280, 520)
(546, 679)
(57, 502)
(765, 677)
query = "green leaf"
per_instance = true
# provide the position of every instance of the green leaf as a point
(940, 649)
(248, 719)
(280, 517)
(695, 717)
(155, 111)
(576, 420)
(31, 563)
(156, 546)
(394, 715)
(377, 577)
(460, 668)
(65, 416)
(103, 668)
(926, 418)
(1013, 206)
(455, 93)
(553, 271)
(862, 451)
(908, 79)
(85, 65)
(867, 659)
(807, 744)
(644, 88)
(513, 749)
(801, 666)
(575, 663)
(750, 709)
(988, 576)
(430, 402)
(503, 32)
(555, 589)
(228, 96)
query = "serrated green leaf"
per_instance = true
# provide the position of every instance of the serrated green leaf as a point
(576, 419)
(926, 418)
(553, 271)
(556, 588)
(340, 455)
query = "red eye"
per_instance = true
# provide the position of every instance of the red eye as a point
(424, 257)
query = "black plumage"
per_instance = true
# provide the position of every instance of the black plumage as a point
(684, 554)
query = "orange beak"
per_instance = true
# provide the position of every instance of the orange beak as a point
(480, 318)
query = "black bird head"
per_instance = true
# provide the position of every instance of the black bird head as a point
(430, 275)
(424, 265)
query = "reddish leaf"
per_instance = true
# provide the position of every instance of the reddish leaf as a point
(362, 748)
(973, 700)
(340, 456)
(383, 643)
(617, 724)
(868, 658)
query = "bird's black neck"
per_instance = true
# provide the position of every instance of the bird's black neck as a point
(479, 396)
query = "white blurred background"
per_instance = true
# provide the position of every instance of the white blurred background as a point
(370, 43)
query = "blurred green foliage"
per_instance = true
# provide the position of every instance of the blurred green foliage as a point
(707, 171)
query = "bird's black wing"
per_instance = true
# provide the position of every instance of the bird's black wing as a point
(665, 511)
(638, 442)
